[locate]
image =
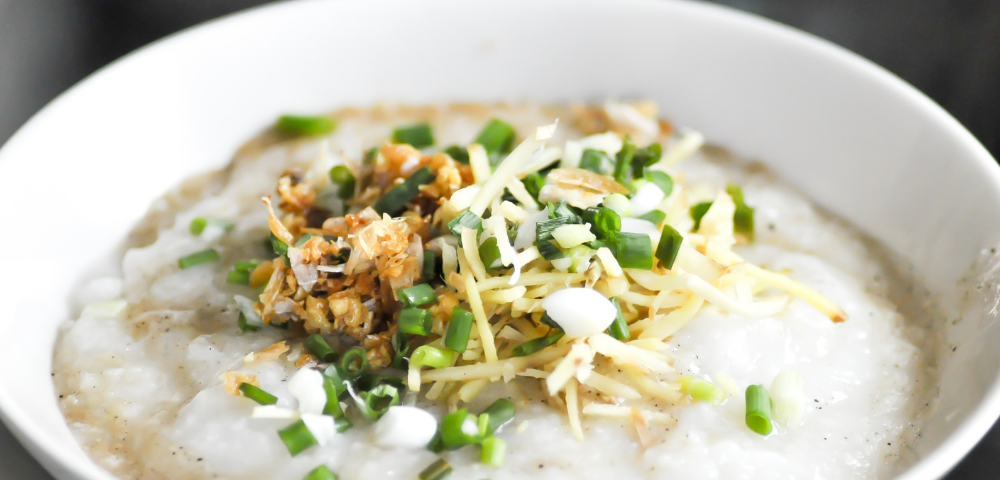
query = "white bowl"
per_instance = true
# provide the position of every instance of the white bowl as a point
(859, 141)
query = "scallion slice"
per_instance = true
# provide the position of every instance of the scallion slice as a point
(330, 386)
(493, 452)
(371, 155)
(199, 225)
(697, 211)
(633, 250)
(297, 437)
(562, 209)
(257, 394)
(453, 435)
(662, 180)
(496, 137)
(533, 183)
(549, 250)
(604, 222)
(439, 470)
(336, 379)
(618, 328)
(305, 125)
(400, 348)
(654, 216)
(430, 267)
(204, 256)
(532, 346)
(245, 326)
(595, 161)
(279, 246)
(459, 329)
(434, 357)
(418, 135)
(415, 321)
(344, 179)
(342, 423)
(458, 153)
(417, 295)
(646, 157)
(500, 413)
(466, 219)
(543, 229)
(322, 350)
(378, 400)
(489, 252)
(240, 274)
(669, 246)
(758, 416)
(623, 161)
(701, 390)
(354, 363)
(321, 472)
(394, 201)
(743, 217)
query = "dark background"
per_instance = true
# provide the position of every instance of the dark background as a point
(950, 50)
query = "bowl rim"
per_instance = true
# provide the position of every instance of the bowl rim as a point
(935, 464)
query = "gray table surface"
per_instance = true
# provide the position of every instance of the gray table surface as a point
(949, 50)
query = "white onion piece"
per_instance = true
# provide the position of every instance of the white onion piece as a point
(526, 232)
(320, 426)
(646, 199)
(405, 427)
(789, 398)
(307, 387)
(638, 225)
(245, 305)
(581, 312)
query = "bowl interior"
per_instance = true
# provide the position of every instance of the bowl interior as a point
(859, 141)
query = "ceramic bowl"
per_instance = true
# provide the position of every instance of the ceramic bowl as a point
(862, 143)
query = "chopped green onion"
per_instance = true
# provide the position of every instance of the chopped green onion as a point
(482, 423)
(603, 221)
(204, 256)
(378, 400)
(306, 126)
(493, 452)
(489, 252)
(788, 398)
(662, 180)
(354, 363)
(199, 224)
(303, 239)
(415, 321)
(400, 347)
(532, 346)
(544, 229)
(669, 246)
(701, 390)
(549, 250)
(342, 423)
(430, 266)
(322, 350)
(466, 219)
(496, 137)
(333, 391)
(743, 217)
(633, 250)
(618, 328)
(623, 161)
(562, 209)
(240, 274)
(595, 161)
(459, 328)
(533, 183)
(417, 295)
(278, 246)
(245, 327)
(297, 437)
(459, 154)
(436, 445)
(654, 216)
(546, 320)
(257, 394)
(453, 436)
(434, 357)
(343, 178)
(418, 135)
(697, 211)
(758, 416)
(646, 157)
(394, 201)
(439, 470)
(371, 155)
(336, 380)
(500, 413)
(619, 203)
(321, 472)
